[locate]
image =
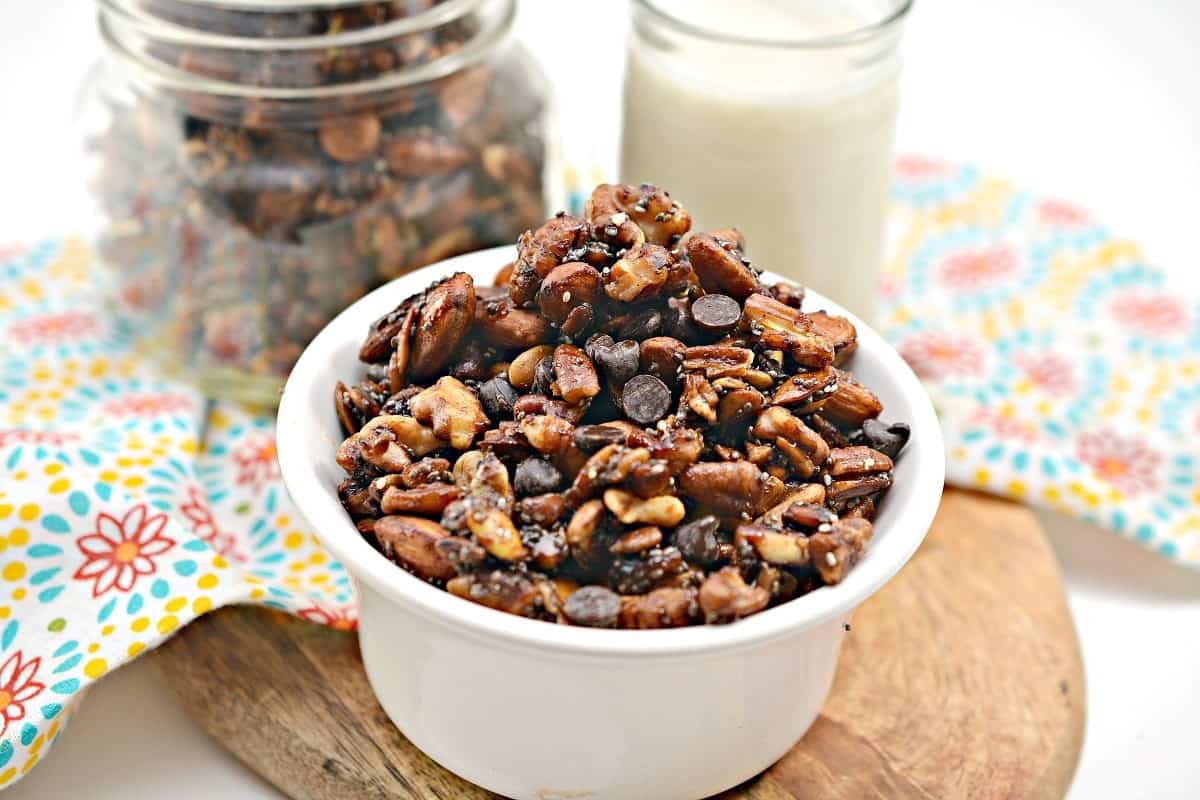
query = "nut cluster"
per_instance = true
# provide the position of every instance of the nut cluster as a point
(244, 224)
(628, 430)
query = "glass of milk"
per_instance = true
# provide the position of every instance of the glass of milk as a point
(776, 117)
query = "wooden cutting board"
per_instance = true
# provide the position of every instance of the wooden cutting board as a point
(960, 679)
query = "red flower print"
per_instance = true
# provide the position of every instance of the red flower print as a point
(149, 405)
(11, 251)
(890, 287)
(36, 437)
(256, 462)
(17, 687)
(121, 551)
(1154, 314)
(1050, 372)
(1006, 428)
(65, 326)
(972, 270)
(935, 355)
(1122, 461)
(1057, 212)
(910, 166)
(340, 619)
(204, 525)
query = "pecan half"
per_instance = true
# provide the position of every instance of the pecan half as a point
(444, 319)
(781, 327)
(852, 404)
(731, 487)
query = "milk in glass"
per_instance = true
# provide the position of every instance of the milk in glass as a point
(777, 118)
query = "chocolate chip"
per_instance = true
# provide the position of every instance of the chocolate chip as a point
(597, 342)
(543, 377)
(645, 399)
(697, 540)
(642, 325)
(887, 438)
(593, 606)
(498, 396)
(716, 313)
(590, 438)
(535, 476)
(619, 361)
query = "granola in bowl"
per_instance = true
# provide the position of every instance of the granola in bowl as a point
(629, 429)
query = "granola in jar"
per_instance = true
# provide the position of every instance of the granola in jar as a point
(254, 171)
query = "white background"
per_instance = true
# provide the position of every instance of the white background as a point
(1093, 100)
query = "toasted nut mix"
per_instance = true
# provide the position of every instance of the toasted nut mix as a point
(631, 466)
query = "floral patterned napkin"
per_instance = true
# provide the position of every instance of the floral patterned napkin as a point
(1066, 373)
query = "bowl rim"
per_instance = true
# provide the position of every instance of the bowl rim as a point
(320, 507)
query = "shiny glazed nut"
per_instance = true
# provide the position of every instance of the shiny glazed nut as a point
(547, 434)
(540, 251)
(639, 274)
(781, 327)
(431, 499)
(700, 397)
(630, 509)
(668, 607)
(575, 378)
(718, 361)
(520, 371)
(444, 318)
(725, 597)
(411, 542)
(504, 325)
(777, 422)
(566, 287)
(637, 540)
(852, 404)
(719, 270)
(855, 461)
(502, 590)
(774, 546)
(839, 331)
(496, 532)
(731, 487)
(662, 357)
(452, 410)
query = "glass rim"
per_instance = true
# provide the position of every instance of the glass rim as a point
(856, 35)
(153, 27)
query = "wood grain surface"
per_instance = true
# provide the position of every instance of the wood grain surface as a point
(960, 679)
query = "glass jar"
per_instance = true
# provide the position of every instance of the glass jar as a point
(256, 166)
(776, 118)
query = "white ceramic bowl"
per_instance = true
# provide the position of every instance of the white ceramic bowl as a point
(535, 710)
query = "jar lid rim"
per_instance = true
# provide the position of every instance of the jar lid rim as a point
(161, 75)
(162, 30)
